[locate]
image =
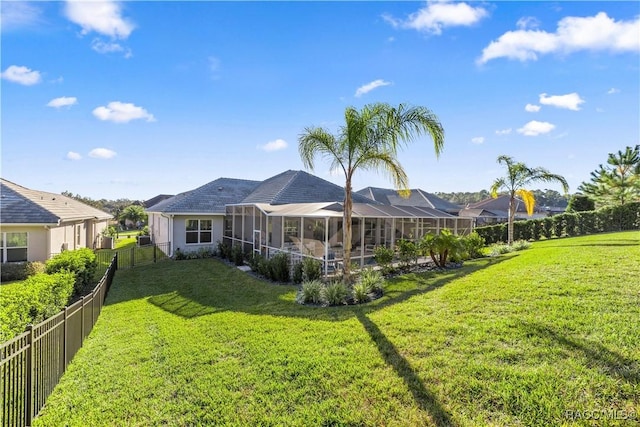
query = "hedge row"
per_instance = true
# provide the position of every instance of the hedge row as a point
(619, 218)
(81, 262)
(32, 301)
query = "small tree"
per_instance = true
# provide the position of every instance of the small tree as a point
(580, 203)
(133, 213)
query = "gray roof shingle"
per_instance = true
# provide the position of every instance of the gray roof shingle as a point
(299, 187)
(21, 205)
(209, 198)
(417, 198)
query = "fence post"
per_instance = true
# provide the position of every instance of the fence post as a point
(65, 331)
(29, 382)
(133, 254)
(154, 252)
(82, 322)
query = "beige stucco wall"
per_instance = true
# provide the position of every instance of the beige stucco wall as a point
(179, 232)
(159, 228)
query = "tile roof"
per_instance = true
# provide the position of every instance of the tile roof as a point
(155, 200)
(500, 203)
(209, 198)
(418, 197)
(299, 187)
(21, 205)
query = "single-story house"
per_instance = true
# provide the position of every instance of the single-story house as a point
(293, 211)
(417, 197)
(34, 225)
(494, 211)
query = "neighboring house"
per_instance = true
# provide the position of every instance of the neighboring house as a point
(293, 211)
(493, 211)
(417, 197)
(35, 224)
(155, 200)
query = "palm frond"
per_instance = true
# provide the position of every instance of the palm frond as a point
(528, 198)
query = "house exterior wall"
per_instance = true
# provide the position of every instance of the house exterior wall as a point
(159, 228)
(180, 232)
(37, 248)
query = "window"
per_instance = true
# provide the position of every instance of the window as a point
(199, 231)
(14, 246)
(78, 240)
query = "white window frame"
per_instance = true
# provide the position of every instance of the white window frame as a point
(5, 248)
(199, 231)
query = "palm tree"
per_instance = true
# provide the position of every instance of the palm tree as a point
(369, 140)
(518, 176)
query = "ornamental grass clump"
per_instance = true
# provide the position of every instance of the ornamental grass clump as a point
(311, 292)
(336, 293)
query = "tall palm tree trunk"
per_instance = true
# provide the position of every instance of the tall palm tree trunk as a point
(512, 217)
(346, 230)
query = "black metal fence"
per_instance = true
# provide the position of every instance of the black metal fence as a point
(32, 363)
(135, 255)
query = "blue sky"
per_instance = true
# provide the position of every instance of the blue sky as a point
(133, 99)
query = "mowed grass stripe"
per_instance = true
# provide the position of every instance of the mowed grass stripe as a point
(514, 340)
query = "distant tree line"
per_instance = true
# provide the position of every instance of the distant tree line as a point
(121, 209)
(542, 197)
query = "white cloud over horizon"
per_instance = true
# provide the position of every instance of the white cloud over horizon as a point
(102, 153)
(591, 33)
(535, 128)
(364, 89)
(63, 101)
(531, 108)
(570, 101)
(478, 140)
(103, 17)
(21, 75)
(19, 14)
(72, 155)
(276, 145)
(437, 15)
(120, 112)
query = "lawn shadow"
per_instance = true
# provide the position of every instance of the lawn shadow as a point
(195, 288)
(610, 362)
(425, 399)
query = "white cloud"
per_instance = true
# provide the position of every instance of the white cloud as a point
(102, 153)
(19, 14)
(72, 155)
(101, 46)
(594, 33)
(22, 75)
(599, 110)
(438, 15)
(531, 108)
(478, 140)
(276, 145)
(63, 101)
(570, 101)
(370, 86)
(612, 91)
(527, 22)
(103, 17)
(502, 132)
(120, 112)
(535, 128)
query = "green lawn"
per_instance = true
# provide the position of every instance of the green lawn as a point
(516, 340)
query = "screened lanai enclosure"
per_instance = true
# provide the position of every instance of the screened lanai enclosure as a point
(315, 229)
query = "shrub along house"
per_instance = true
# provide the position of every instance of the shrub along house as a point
(34, 225)
(294, 212)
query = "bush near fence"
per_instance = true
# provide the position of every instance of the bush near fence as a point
(81, 262)
(32, 363)
(32, 301)
(619, 218)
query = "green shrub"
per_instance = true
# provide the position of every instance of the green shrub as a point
(407, 252)
(383, 257)
(311, 269)
(279, 267)
(20, 270)
(37, 298)
(81, 262)
(520, 245)
(335, 293)
(310, 292)
(361, 293)
(473, 245)
(373, 280)
(499, 249)
(297, 275)
(224, 250)
(237, 255)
